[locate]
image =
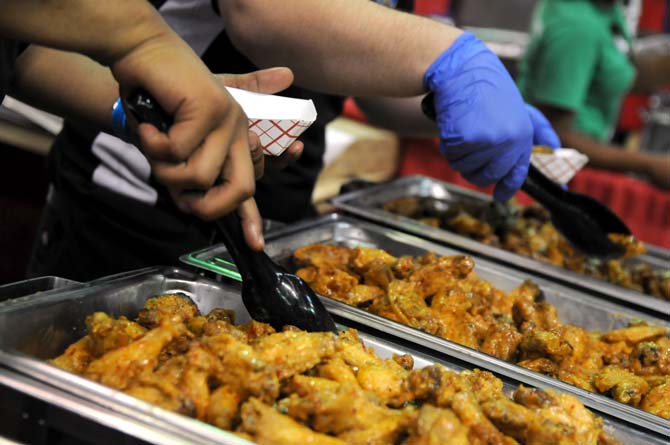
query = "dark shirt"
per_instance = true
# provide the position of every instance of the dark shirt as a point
(9, 51)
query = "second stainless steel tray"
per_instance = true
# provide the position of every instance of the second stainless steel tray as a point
(57, 321)
(574, 307)
(368, 203)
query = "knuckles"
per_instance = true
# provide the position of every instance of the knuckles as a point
(209, 208)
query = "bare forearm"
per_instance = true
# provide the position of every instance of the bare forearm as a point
(349, 47)
(401, 115)
(103, 30)
(605, 156)
(84, 91)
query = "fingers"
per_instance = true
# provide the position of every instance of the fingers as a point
(193, 124)
(269, 81)
(492, 172)
(543, 132)
(238, 185)
(203, 168)
(292, 154)
(508, 186)
(252, 224)
(257, 156)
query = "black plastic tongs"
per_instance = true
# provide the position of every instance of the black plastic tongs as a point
(584, 221)
(270, 293)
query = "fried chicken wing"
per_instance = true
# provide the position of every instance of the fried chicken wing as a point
(528, 231)
(624, 386)
(293, 387)
(636, 334)
(657, 400)
(223, 406)
(118, 367)
(444, 296)
(294, 352)
(437, 426)
(241, 367)
(107, 333)
(269, 427)
(321, 255)
(166, 306)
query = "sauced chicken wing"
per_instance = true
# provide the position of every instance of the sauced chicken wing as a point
(269, 427)
(295, 387)
(444, 296)
(528, 231)
(437, 426)
(76, 357)
(166, 306)
(117, 368)
(657, 400)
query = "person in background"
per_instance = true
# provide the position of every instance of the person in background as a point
(577, 69)
(110, 215)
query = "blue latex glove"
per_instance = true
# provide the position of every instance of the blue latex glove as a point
(486, 130)
(543, 132)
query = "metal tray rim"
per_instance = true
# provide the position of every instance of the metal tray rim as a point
(84, 408)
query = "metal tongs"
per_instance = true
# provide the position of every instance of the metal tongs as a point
(584, 221)
(270, 293)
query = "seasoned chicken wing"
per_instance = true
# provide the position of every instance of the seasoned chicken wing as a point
(296, 387)
(657, 400)
(269, 427)
(445, 297)
(166, 306)
(437, 426)
(117, 368)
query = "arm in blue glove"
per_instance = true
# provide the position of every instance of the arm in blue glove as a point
(486, 130)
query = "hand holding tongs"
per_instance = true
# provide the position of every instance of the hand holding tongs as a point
(583, 220)
(270, 293)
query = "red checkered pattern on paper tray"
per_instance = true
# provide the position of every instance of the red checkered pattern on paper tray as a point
(277, 135)
(557, 169)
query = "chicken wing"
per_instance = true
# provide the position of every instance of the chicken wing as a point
(118, 367)
(298, 387)
(269, 427)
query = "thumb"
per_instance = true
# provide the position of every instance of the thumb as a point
(269, 81)
(543, 132)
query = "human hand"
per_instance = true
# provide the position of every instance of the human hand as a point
(486, 130)
(543, 132)
(209, 137)
(270, 81)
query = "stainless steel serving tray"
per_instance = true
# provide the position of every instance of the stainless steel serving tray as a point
(41, 328)
(368, 203)
(33, 411)
(34, 285)
(573, 306)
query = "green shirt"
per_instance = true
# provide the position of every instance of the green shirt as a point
(573, 62)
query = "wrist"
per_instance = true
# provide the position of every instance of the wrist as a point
(452, 59)
(145, 27)
(119, 121)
